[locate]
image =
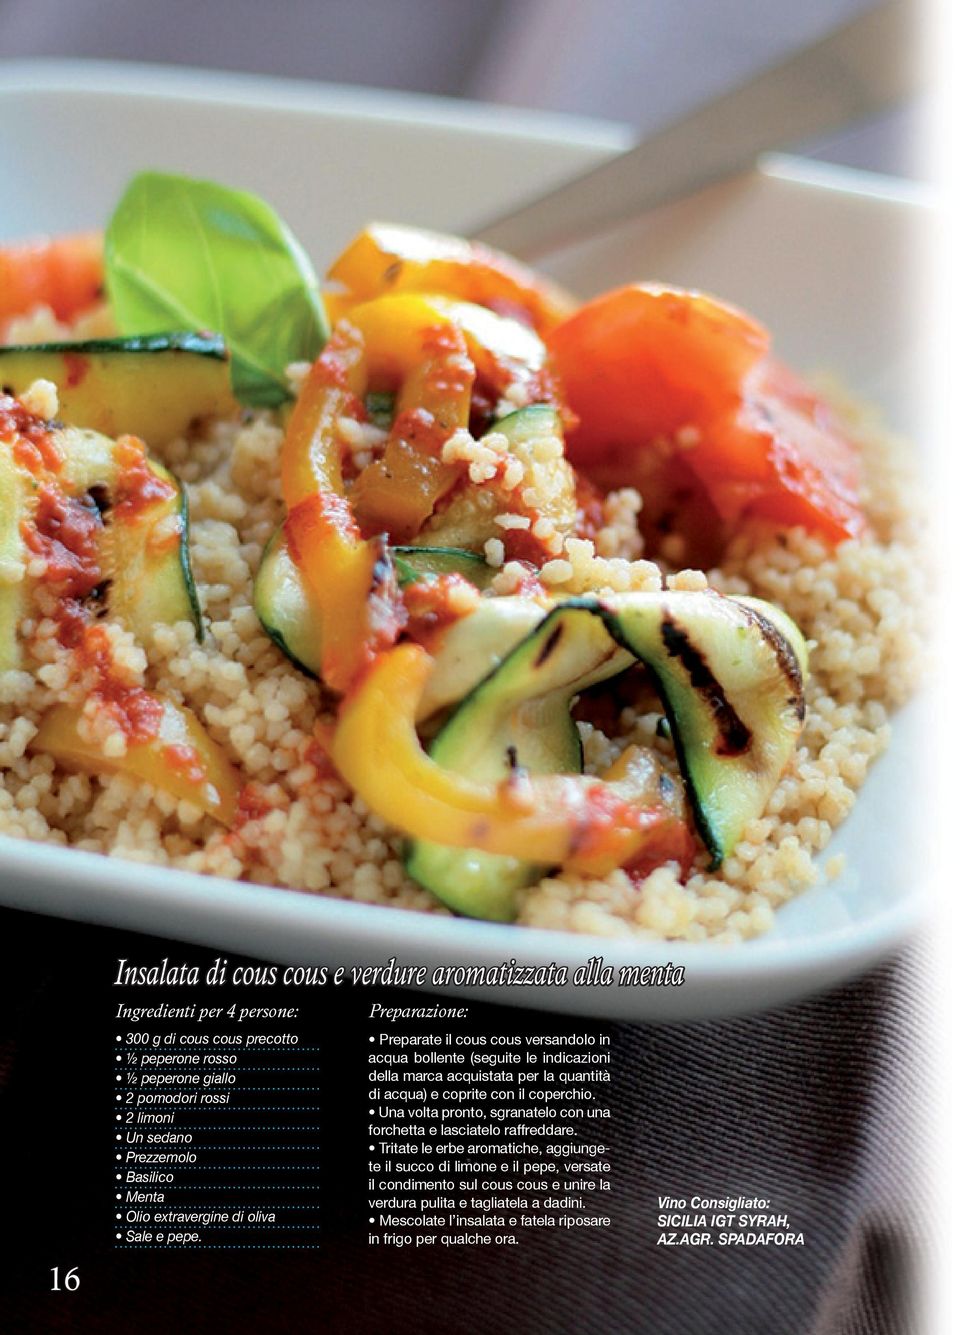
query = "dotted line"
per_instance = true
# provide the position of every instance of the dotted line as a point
(258, 1205)
(228, 1066)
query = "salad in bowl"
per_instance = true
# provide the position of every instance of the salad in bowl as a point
(432, 587)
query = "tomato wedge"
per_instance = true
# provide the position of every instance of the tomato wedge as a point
(65, 273)
(676, 390)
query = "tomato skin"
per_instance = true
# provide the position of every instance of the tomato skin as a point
(816, 465)
(642, 361)
(65, 273)
(645, 363)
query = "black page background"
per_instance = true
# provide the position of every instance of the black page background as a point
(810, 1105)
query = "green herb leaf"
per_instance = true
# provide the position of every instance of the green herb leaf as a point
(406, 573)
(183, 254)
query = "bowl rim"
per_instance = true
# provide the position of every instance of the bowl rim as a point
(44, 75)
(48, 75)
(193, 894)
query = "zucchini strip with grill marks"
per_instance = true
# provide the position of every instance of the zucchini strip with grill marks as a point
(729, 674)
(145, 541)
(153, 387)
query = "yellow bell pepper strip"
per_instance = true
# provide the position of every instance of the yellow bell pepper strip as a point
(344, 574)
(399, 333)
(422, 347)
(506, 354)
(387, 258)
(179, 758)
(394, 330)
(349, 577)
(556, 819)
(397, 493)
(411, 343)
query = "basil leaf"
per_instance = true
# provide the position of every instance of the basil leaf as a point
(183, 254)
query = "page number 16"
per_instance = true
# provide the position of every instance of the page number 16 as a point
(71, 1279)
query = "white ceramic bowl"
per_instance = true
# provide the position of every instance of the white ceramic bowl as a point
(825, 257)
